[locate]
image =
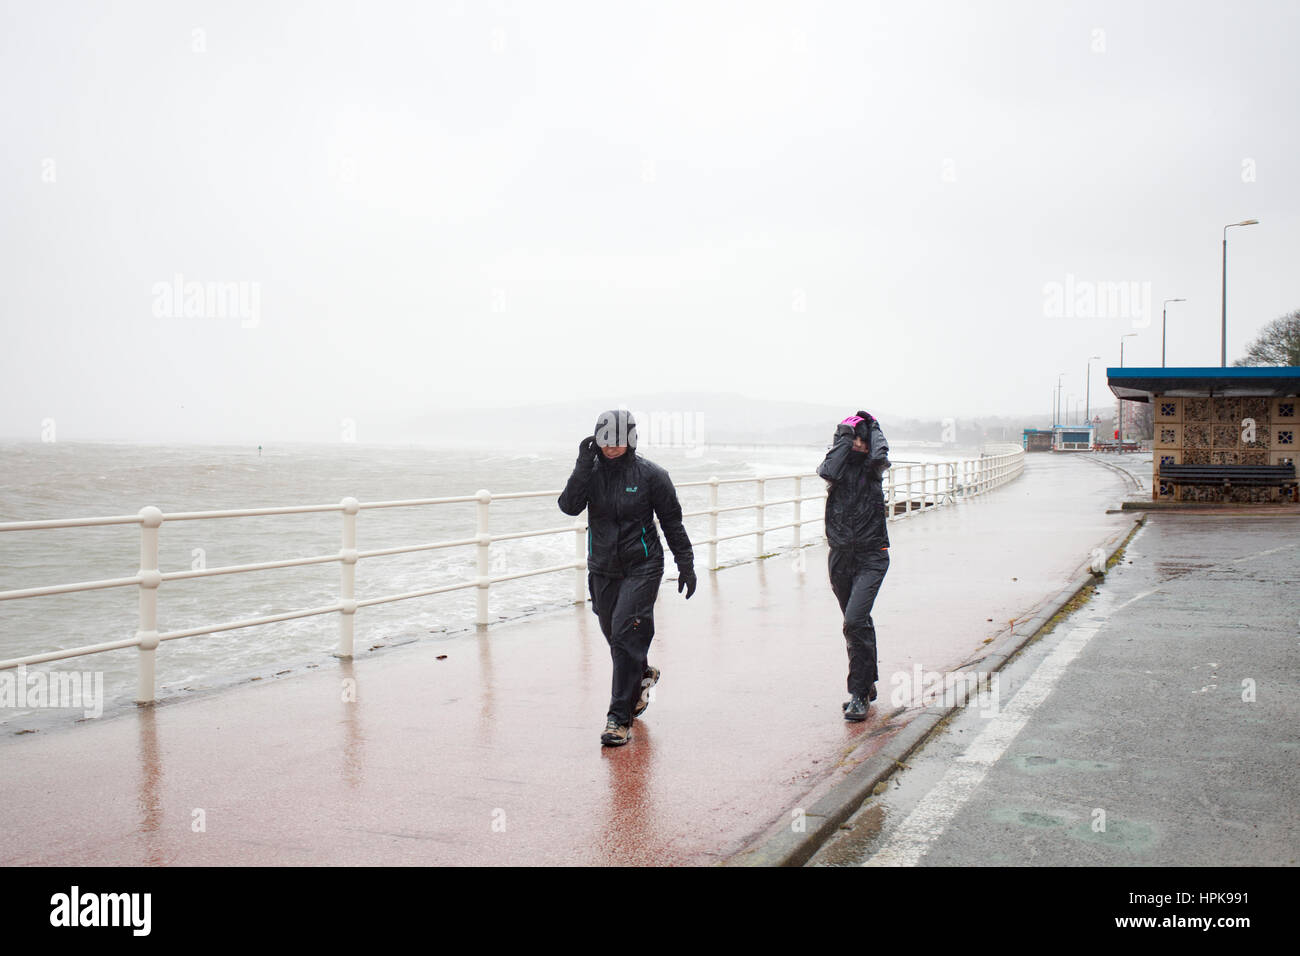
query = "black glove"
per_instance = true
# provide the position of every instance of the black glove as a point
(686, 579)
(587, 449)
(864, 427)
(843, 429)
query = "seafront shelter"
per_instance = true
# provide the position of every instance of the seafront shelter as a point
(1238, 425)
(1072, 438)
(1036, 439)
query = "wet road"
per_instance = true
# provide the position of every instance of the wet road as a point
(483, 749)
(1155, 726)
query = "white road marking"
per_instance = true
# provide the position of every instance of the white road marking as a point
(1260, 554)
(1135, 599)
(932, 815)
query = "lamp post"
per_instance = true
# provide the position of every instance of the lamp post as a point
(1163, 315)
(1087, 391)
(1056, 416)
(1126, 335)
(1223, 299)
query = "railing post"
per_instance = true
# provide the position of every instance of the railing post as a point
(907, 508)
(890, 496)
(151, 519)
(758, 518)
(484, 540)
(713, 523)
(348, 577)
(580, 553)
(798, 521)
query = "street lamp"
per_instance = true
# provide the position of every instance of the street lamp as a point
(1163, 315)
(1056, 418)
(1126, 335)
(1087, 391)
(1223, 300)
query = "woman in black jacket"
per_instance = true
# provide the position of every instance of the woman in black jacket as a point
(859, 544)
(623, 493)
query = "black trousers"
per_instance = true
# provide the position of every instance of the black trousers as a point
(626, 609)
(855, 578)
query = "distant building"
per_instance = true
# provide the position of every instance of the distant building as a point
(1036, 439)
(1072, 438)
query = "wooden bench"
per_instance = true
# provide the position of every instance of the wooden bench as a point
(1228, 477)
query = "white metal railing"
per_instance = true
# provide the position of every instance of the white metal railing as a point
(906, 492)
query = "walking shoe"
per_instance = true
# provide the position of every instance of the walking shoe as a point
(856, 709)
(649, 680)
(871, 695)
(615, 735)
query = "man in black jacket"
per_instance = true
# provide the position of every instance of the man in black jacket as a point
(859, 544)
(622, 493)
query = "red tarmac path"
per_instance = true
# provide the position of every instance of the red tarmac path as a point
(492, 755)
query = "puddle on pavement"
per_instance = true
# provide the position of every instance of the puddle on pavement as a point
(1168, 570)
(1026, 818)
(1035, 763)
(1121, 834)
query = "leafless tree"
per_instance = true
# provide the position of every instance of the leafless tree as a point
(1278, 343)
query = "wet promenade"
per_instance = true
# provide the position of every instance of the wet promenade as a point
(484, 748)
(1156, 726)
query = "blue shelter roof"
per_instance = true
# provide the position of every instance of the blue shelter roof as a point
(1139, 384)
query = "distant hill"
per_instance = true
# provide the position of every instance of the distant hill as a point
(695, 417)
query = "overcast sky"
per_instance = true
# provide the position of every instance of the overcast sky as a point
(431, 205)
